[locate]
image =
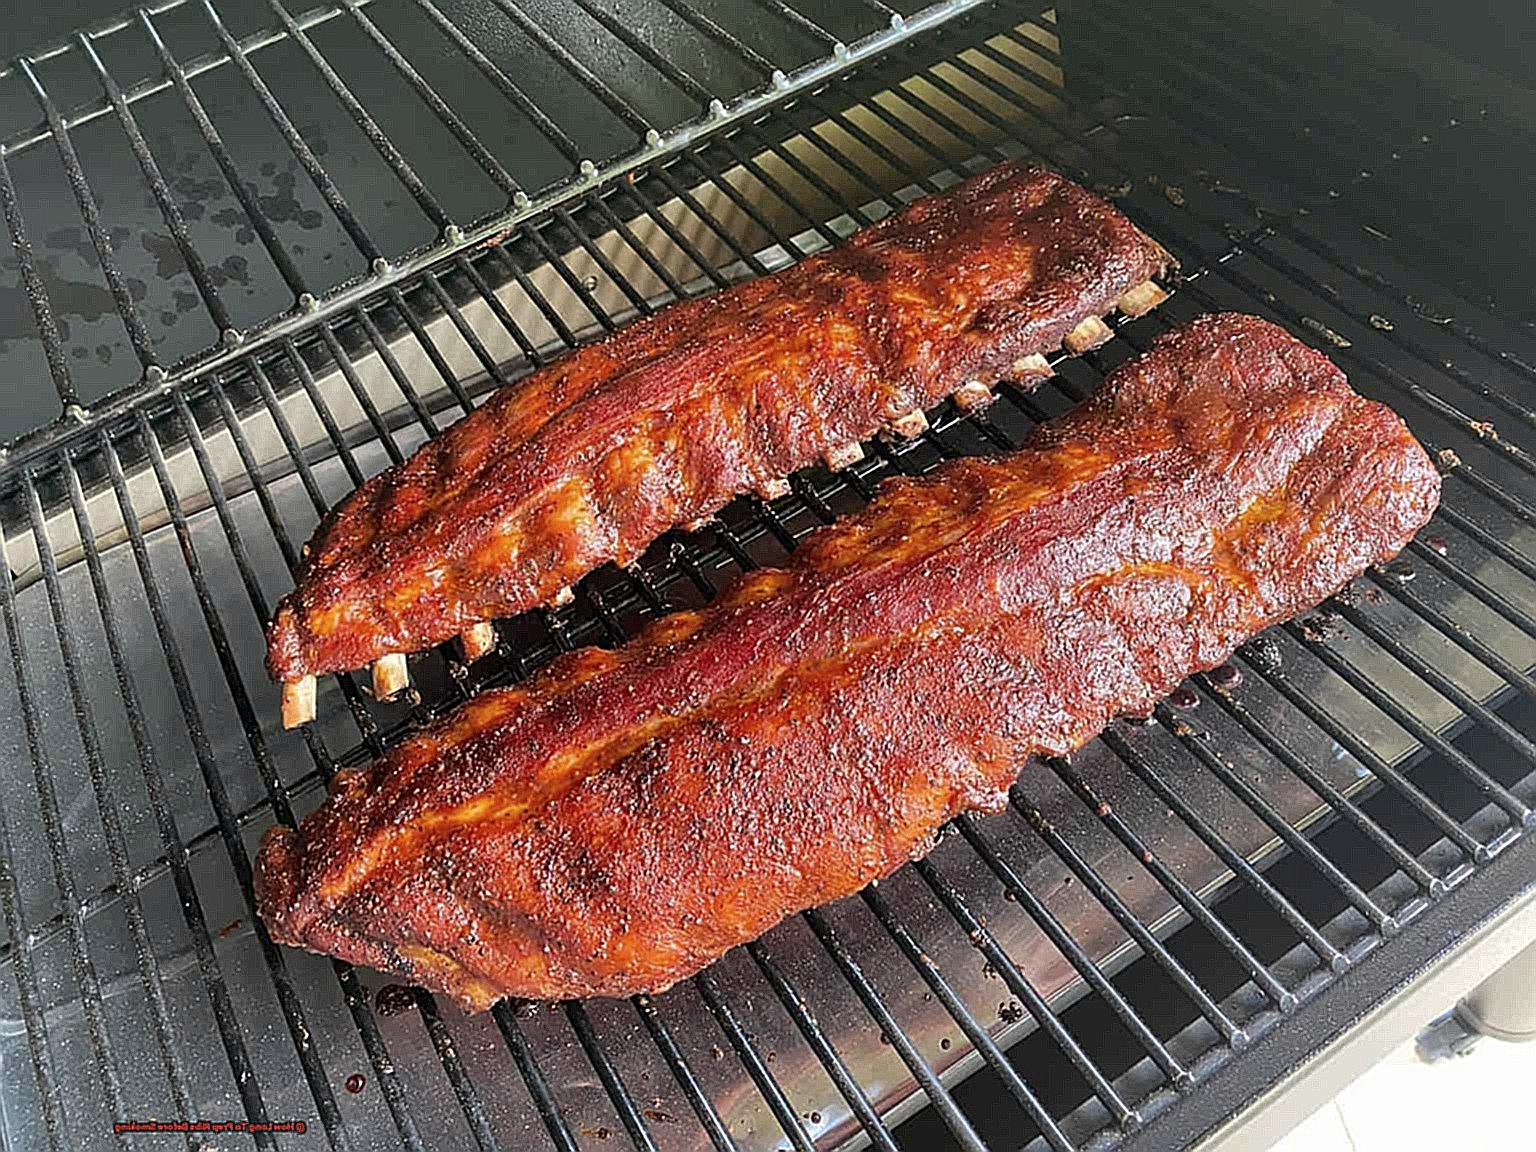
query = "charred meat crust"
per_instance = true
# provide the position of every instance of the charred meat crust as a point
(625, 817)
(591, 458)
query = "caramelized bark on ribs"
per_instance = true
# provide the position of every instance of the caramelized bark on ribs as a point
(626, 817)
(661, 424)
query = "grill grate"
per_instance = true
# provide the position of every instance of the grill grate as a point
(1102, 952)
(628, 105)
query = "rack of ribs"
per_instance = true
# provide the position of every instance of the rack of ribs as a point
(590, 458)
(625, 817)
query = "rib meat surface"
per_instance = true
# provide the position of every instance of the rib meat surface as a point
(626, 817)
(591, 458)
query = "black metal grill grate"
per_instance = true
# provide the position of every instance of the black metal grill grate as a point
(365, 82)
(1172, 896)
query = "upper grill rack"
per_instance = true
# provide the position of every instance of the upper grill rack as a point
(613, 122)
(1152, 839)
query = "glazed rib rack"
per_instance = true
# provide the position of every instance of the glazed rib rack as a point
(1089, 967)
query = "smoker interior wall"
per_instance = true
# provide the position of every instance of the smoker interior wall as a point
(1494, 34)
(1484, 251)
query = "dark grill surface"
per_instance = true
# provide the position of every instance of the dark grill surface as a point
(1125, 956)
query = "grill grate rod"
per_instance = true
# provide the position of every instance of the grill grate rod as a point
(1474, 849)
(705, 266)
(33, 1014)
(1105, 894)
(360, 115)
(751, 1059)
(1512, 805)
(82, 968)
(954, 1119)
(584, 75)
(300, 148)
(999, 1064)
(682, 1072)
(1473, 584)
(228, 823)
(1177, 1074)
(36, 292)
(440, 107)
(1282, 997)
(750, 259)
(1507, 733)
(799, 20)
(503, 84)
(1499, 548)
(765, 179)
(1337, 800)
(106, 802)
(538, 1087)
(170, 211)
(674, 72)
(847, 1085)
(1275, 822)
(636, 298)
(1469, 643)
(726, 39)
(237, 184)
(498, 309)
(986, 943)
(367, 729)
(83, 114)
(313, 1070)
(453, 1067)
(458, 1076)
(386, 438)
(90, 214)
(327, 419)
(398, 374)
(613, 1083)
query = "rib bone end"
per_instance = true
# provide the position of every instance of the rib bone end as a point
(1088, 335)
(563, 597)
(390, 676)
(1142, 299)
(911, 424)
(972, 396)
(476, 641)
(773, 489)
(298, 701)
(843, 455)
(1033, 367)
